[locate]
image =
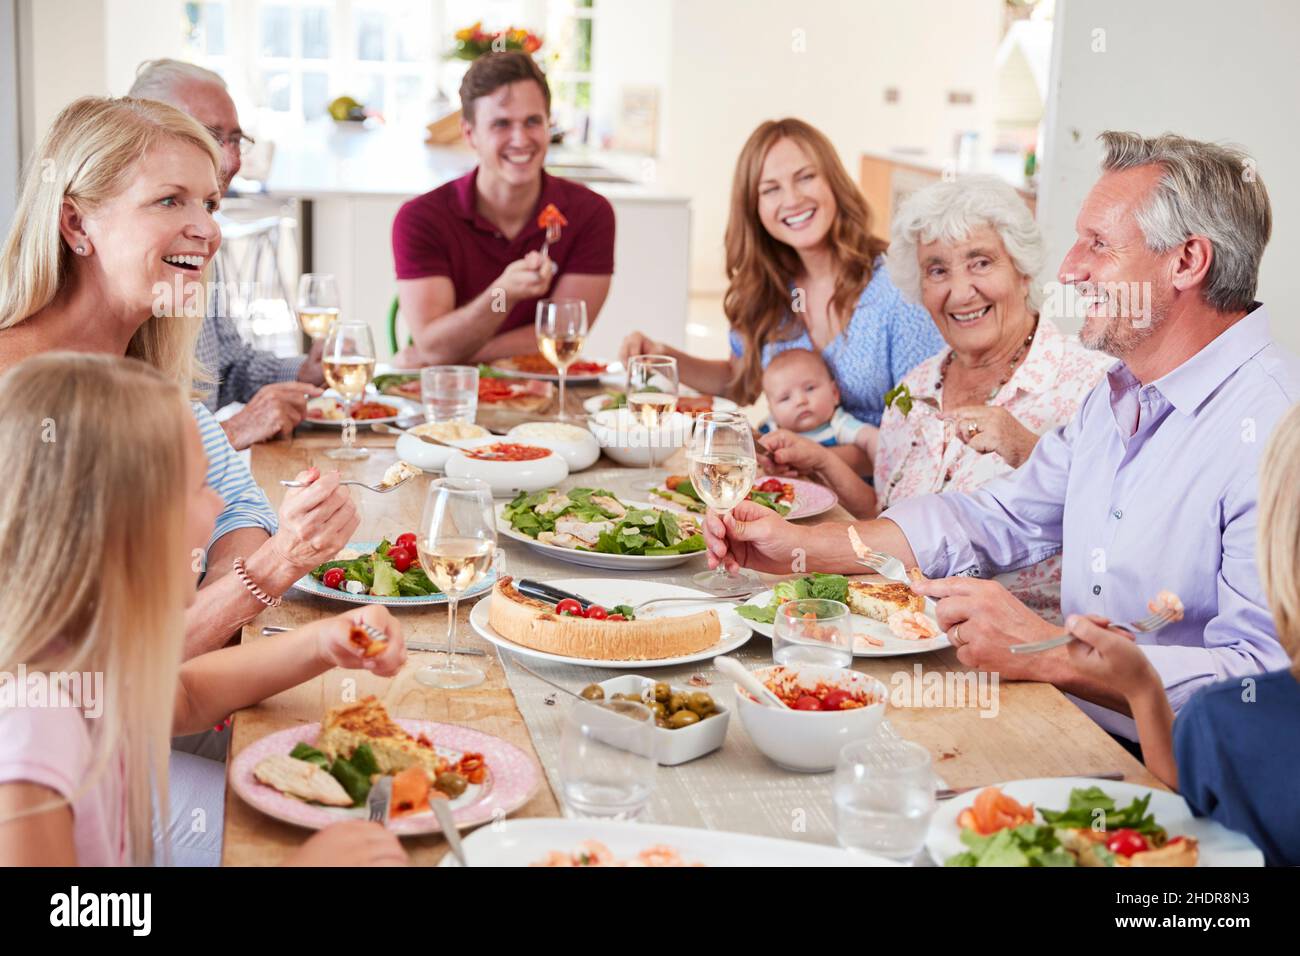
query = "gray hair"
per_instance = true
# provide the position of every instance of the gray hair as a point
(951, 211)
(158, 79)
(1209, 190)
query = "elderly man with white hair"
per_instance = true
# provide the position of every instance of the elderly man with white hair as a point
(1152, 486)
(970, 252)
(274, 389)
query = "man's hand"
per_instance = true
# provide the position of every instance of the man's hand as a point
(526, 278)
(316, 522)
(753, 536)
(991, 428)
(273, 412)
(983, 619)
(312, 371)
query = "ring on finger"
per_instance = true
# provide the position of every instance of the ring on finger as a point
(972, 429)
(952, 635)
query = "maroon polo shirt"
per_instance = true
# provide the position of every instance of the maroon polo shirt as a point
(442, 234)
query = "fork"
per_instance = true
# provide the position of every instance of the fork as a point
(379, 489)
(379, 799)
(1152, 622)
(887, 566)
(696, 599)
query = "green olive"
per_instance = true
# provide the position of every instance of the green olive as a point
(683, 718)
(593, 692)
(660, 711)
(452, 784)
(663, 692)
(676, 702)
(660, 722)
(701, 703)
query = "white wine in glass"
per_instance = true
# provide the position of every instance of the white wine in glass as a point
(561, 332)
(348, 361)
(457, 542)
(651, 401)
(722, 468)
(318, 304)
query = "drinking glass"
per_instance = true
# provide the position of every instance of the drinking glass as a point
(884, 797)
(722, 469)
(651, 401)
(318, 304)
(450, 393)
(813, 631)
(457, 542)
(561, 332)
(607, 763)
(348, 360)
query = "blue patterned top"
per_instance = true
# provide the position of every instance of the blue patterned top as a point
(885, 339)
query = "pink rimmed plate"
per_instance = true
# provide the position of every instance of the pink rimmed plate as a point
(513, 779)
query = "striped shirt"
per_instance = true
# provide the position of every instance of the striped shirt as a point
(246, 504)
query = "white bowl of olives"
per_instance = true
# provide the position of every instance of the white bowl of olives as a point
(689, 722)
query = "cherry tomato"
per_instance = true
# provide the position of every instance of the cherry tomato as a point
(402, 559)
(406, 541)
(807, 702)
(835, 700)
(616, 617)
(596, 613)
(569, 606)
(333, 578)
(771, 484)
(1127, 842)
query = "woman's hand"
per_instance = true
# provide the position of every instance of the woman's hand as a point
(1110, 656)
(753, 536)
(792, 451)
(991, 428)
(336, 648)
(354, 843)
(637, 344)
(315, 521)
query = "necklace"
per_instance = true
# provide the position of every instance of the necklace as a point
(1011, 366)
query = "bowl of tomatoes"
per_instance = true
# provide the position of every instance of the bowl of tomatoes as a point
(826, 708)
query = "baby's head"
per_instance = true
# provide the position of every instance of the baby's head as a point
(800, 390)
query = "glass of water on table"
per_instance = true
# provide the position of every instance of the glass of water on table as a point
(449, 393)
(607, 759)
(884, 797)
(813, 631)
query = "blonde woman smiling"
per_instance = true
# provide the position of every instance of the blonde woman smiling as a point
(124, 479)
(118, 190)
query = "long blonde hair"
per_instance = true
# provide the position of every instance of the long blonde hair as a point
(87, 157)
(760, 268)
(94, 467)
(1279, 531)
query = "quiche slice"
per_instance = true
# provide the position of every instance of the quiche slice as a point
(878, 600)
(365, 721)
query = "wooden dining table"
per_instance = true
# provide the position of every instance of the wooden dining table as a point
(1039, 732)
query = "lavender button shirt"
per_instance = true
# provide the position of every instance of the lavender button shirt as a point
(1148, 488)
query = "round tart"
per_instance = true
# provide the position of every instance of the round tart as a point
(535, 624)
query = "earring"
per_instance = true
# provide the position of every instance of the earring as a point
(81, 250)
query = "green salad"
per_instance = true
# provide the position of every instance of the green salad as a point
(592, 519)
(684, 494)
(830, 587)
(377, 573)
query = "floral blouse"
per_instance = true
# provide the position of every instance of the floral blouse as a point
(919, 454)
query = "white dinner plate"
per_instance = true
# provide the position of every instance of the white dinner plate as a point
(585, 379)
(597, 403)
(405, 409)
(894, 646)
(1219, 846)
(597, 559)
(611, 591)
(526, 841)
(310, 585)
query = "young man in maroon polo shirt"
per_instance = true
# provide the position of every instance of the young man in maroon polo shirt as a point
(468, 254)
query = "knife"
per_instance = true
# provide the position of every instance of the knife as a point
(549, 594)
(442, 810)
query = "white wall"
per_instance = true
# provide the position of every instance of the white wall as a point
(1202, 68)
(10, 150)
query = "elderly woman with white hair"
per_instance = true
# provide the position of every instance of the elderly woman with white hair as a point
(969, 251)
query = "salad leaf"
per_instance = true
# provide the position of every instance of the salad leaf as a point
(310, 754)
(830, 587)
(1026, 845)
(382, 382)
(386, 578)
(761, 614)
(363, 758)
(625, 610)
(1085, 802)
(356, 783)
(415, 583)
(487, 371)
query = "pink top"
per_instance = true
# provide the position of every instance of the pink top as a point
(920, 454)
(51, 747)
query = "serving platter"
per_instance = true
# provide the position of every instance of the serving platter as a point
(596, 559)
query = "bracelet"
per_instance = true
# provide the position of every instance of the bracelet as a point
(238, 567)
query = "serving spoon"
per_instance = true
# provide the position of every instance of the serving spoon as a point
(736, 671)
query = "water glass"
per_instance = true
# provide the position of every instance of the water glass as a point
(449, 392)
(607, 759)
(813, 631)
(884, 797)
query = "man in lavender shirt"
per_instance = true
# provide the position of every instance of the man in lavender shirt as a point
(1152, 486)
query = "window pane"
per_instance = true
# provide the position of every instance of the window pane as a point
(408, 99)
(370, 90)
(315, 94)
(582, 53)
(214, 28)
(276, 39)
(316, 33)
(370, 35)
(278, 94)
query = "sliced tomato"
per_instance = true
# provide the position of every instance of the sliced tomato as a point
(616, 617)
(596, 613)
(569, 606)
(835, 700)
(1127, 842)
(807, 702)
(333, 578)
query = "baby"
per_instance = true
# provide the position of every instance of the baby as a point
(803, 398)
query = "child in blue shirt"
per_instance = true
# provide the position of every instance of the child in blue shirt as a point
(1234, 750)
(803, 398)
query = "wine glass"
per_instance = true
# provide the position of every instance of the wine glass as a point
(722, 469)
(651, 400)
(348, 360)
(561, 332)
(318, 304)
(457, 542)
